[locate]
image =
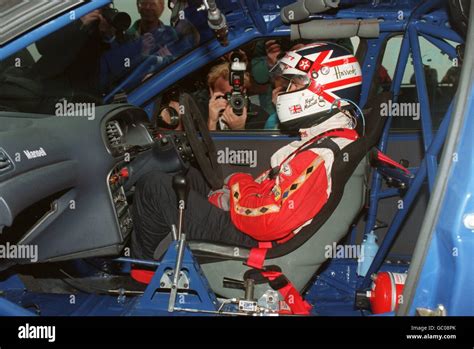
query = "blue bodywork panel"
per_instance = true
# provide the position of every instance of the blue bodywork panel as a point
(331, 294)
(446, 276)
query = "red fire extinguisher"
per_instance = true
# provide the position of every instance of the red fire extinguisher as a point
(386, 292)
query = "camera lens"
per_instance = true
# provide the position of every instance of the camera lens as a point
(119, 20)
(237, 103)
(122, 21)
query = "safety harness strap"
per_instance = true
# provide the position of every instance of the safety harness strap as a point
(279, 282)
(257, 255)
(346, 133)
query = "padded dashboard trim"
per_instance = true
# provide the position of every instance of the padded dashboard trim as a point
(29, 187)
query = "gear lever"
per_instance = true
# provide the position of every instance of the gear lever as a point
(181, 188)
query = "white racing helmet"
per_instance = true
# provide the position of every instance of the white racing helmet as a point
(321, 77)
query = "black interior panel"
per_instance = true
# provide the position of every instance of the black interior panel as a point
(68, 155)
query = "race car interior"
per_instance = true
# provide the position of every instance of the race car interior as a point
(67, 183)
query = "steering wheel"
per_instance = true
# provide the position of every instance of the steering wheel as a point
(203, 147)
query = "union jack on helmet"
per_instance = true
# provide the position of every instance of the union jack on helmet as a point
(320, 77)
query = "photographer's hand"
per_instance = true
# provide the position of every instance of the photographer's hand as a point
(235, 122)
(276, 91)
(273, 49)
(106, 29)
(148, 43)
(164, 52)
(217, 103)
(90, 18)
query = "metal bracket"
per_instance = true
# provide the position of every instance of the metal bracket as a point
(120, 97)
(270, 301)
(166, 280)
(439, 311)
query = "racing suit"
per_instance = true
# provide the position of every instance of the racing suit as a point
(275, 206)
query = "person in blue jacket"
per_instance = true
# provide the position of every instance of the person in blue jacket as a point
(149, 42)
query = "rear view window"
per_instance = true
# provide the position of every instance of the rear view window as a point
(441, 75)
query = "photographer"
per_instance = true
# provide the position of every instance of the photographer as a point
(71, 59)
(265, 57)
(151, 29)
(148, 41)
(221, 114)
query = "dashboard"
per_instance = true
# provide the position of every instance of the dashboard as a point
(64, 180)
(78, 166)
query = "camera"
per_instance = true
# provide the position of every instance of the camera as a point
(119, 20)
(237, 99)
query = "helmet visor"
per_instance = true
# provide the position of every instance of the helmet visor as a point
(290, 78)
